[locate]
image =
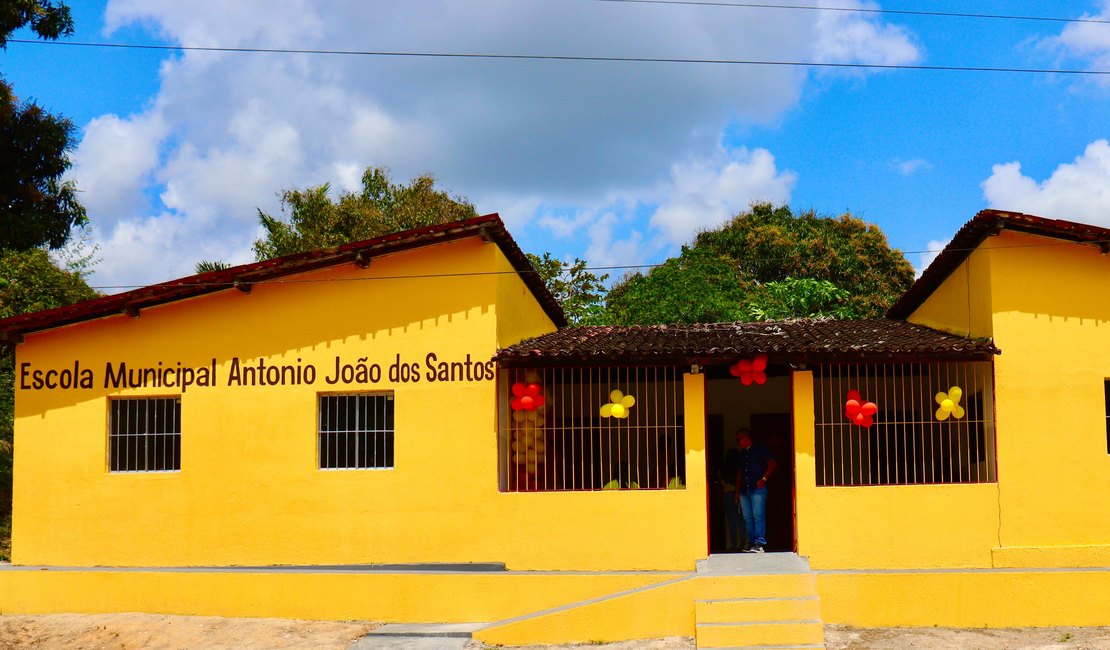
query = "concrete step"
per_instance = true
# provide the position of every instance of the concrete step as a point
(762, 634)
(752, 610)
(790, 585)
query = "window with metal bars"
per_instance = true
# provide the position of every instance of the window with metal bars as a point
(356, 431)
(926, 423)
(565, 437)
(144, 434)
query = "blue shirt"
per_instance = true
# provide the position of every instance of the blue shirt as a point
(753, 463)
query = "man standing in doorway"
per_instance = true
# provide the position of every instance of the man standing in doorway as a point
(756, 466)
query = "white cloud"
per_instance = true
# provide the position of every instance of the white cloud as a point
(911, 167)
(848, 37)
(1076, 191)
(114, 164)
(226, 132)
(705, 193)
(932, 249)
(1089, 42)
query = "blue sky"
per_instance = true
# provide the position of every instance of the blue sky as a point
(617, 163)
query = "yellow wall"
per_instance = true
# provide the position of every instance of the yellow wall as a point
(1052, 323)
(249, 491)
(962, 303)
(899, 526)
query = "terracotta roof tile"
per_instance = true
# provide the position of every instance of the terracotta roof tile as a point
(489, 227)
(983, 225)
(808, 340)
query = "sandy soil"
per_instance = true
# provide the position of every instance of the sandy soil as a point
(155, 632)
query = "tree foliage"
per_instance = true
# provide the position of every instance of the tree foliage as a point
(36, 207)
(764, 264)
(205, 266)
(47, 18)
(580, 292)
(382, 207)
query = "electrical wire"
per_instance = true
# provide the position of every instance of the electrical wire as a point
(864, 10)
(621, 267)
(568, 58)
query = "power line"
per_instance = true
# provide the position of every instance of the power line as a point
(622, 267)
(860, 10)
(561, 57)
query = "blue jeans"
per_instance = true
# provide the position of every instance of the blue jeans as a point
(754, 507)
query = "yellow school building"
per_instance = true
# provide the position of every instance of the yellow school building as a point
(404, 429)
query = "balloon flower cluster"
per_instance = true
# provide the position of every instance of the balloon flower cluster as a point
(618, 407)
(527, 397)
(858, 411)
(529, 443)
(750, 371)
(950, 404)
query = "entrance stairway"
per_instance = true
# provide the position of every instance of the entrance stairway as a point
(780, 607)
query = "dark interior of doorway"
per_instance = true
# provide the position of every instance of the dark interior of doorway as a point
(773, 430)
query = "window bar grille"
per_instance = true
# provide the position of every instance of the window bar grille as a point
(907, 443)
(566, 445)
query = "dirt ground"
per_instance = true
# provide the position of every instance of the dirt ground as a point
(155, 632)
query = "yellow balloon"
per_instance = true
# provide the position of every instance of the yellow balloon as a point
(540, 456)
(531, 456)
(531, 467)
(540, 446)
(530, 438)
(947, 405)
(616, 396)
(531, 377)
(958, 412)
(942, 415)
(530, 416)
(955, 393)
(940, 397)
(618, 410)
(628, 401)
(519, 459)
(515, 446)
(606, 410)
(518, 416)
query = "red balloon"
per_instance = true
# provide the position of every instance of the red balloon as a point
(851, 408)
(527, 403)
(867, 422)
(869, 408)
(518, 389)
(515, 404)
(744, 365)
(759, 362)
(746, 378)
(760, 377)
(533, 389)
(539, 400)
(854, 394)
(860, 419)
(734, 370)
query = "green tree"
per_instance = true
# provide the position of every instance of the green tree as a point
(695, 287)
(382, 207)
(29, 281)
(768, 263)
(580, 292)
(36, 207)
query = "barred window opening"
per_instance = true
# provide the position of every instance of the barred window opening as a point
(356, 431)
(144, 434)
(915, 435)
(563, 437)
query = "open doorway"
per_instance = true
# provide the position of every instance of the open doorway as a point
(765, 410)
